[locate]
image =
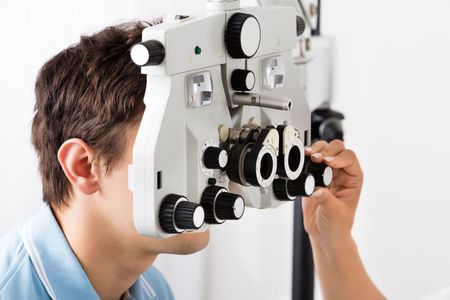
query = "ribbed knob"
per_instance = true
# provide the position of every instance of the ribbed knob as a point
(301, 25)
(280, 190)
(189, 215)
(148, 53)
(177, 214)
(229, 206)
(322, 173)
(220, 205)
(215, 158)
(243, 80)
(242, 36)
(303, 186)
(208, 203)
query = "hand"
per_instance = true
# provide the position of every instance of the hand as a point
(329, 213)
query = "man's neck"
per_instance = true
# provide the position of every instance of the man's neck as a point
(109, 259)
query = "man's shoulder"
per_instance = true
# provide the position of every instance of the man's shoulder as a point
(16, 268)
(12, 252)
(154, 281)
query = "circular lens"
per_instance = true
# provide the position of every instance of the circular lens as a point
(294, 158)
(266, 166)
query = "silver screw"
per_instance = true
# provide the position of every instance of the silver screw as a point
(308, 44)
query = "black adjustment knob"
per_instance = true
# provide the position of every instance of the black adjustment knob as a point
(215, 158)
(208, 203)
(322, 173)
(177, 214)
(212, 181)
(242, 35)
(148, 53)
(301, 25)
(229, 206)
(189, 215)
(219, 205)
(303, 186)
(243, 80)
(280, 190)
(287, 190)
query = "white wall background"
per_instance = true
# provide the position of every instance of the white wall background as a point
(392, 79)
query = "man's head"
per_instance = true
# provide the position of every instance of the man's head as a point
(89, 103)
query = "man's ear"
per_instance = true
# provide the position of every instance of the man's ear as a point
(77, 160)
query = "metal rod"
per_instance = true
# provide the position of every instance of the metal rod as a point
(316, 31)
(303, 262)
(253, 99)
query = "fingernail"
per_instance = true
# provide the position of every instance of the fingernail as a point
(328, 159)
(317, 155)
(317, 194)
(309, 149)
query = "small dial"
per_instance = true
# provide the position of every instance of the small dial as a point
(301, 25)
(215, 158)
(177, 214)
(243, 80)
(286, 190)
(229, 206)
(148, 53)
(280, 190)
(322, 173)
(243, 35)
(303, 186)
(220, 205)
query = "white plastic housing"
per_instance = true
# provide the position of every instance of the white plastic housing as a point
(167, 154)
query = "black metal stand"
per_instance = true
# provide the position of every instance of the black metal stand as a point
(303, 263)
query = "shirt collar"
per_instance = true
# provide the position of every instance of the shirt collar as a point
(56, 264)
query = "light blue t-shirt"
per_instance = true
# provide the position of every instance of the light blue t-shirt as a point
(36, 262)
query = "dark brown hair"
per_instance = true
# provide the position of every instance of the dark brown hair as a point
(92, 91)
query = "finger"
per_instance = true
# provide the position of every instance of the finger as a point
(316, 147)
(345, 160)
(332, 149)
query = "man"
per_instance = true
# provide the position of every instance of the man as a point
(82, 244)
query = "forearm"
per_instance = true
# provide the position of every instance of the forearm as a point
(342, 273)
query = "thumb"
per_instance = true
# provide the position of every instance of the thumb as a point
(322, 196)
